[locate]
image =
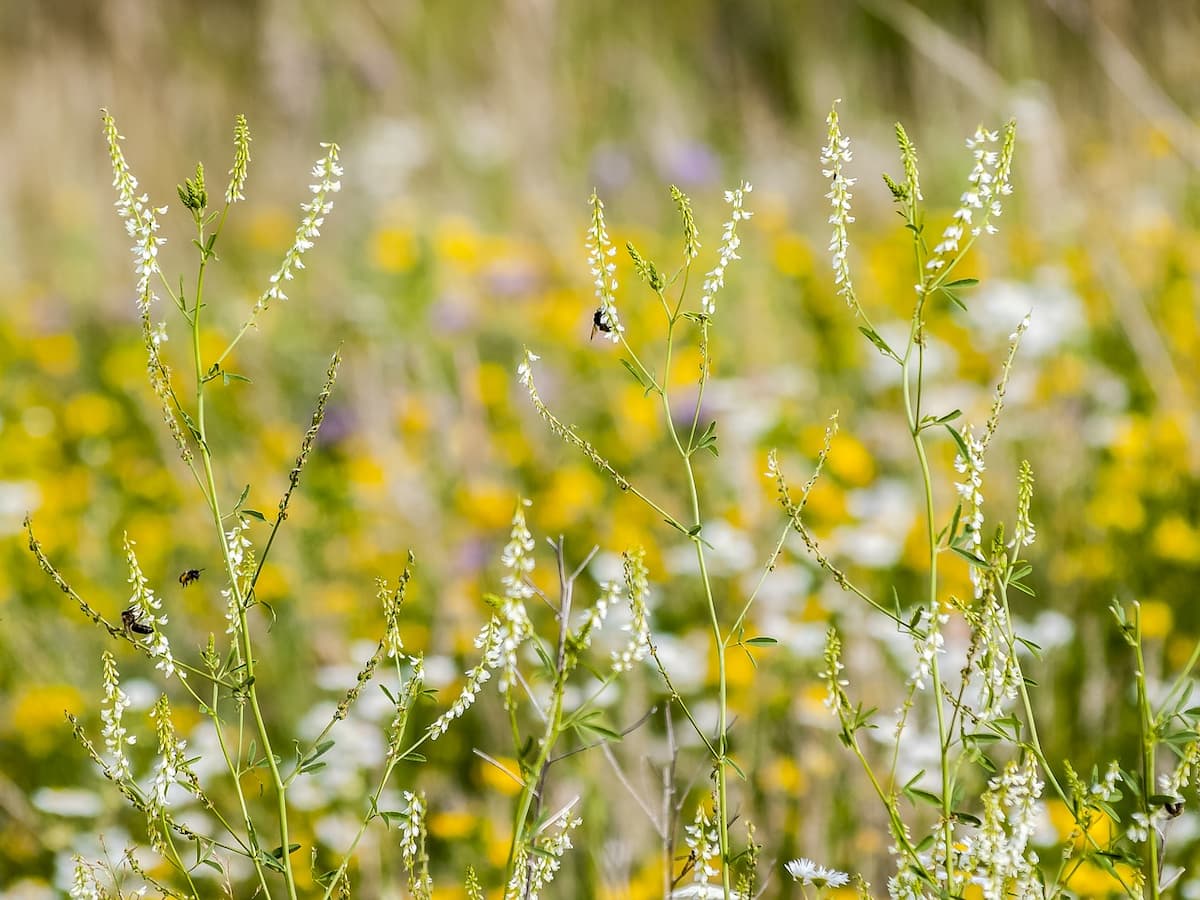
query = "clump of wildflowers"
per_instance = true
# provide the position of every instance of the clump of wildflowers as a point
(1000, 857)
(730, 242)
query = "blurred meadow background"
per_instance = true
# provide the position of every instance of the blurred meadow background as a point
(472, 135)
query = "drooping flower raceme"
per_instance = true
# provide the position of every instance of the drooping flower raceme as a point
(637, 583)
(507, 629)
(971, 492)
(730, 242)
(327, 172)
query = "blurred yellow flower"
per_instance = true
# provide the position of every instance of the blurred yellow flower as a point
(453, 825)
(1089, 880)
(456, 241)
(792, 255)
(57, 354)
(366, 472)
(507, 781)
(1116, 509)
(495, 383)
(488, 504)
(783, 775)
(270, 229)
(850, 461)
(573, 492)
(393, 249)
(1176, 540)
(36, 713)
(1157, 619)
(90, 414)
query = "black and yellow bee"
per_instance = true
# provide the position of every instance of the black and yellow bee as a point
(189, 576)
(599, 323)
(132, 621)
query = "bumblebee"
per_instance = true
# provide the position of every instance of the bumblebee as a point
(599, 323)
(189, 576)
(131, 619)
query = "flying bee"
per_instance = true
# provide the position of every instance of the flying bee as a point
(132, 621)
(599, 323)
(189, 576)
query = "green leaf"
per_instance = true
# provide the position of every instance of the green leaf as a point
(958, 439)
(953, 298)
(761, 641)
(254, 514)
(233, 376)
(638, 376)
(971, 558)
(948, 417)
(880, 344)
(961, 283)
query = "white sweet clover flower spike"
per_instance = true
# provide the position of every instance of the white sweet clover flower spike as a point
(241, 161)
(145, 607)
(84, 885)
(241, 558)
(115, 736)
(327, 171)
(525, 369)
(171, 766)
(601, 254)
(141, 218)
(507, 629)
(1000, 856)
(928, 643)
(637, 584)
(610, 594)
(730, 242)
(1024, 531)
(835, 154)
(539, 869)
(835, 694)
(971, 492)
(703, 839)
(981, 201)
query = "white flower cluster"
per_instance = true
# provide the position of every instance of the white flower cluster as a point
(703, 840)
(987, 183)
(971, 492)
(610, 594)
(808, 872)
(171, 766)
(637, 582)
(241, 161)
(833, 156)
(600, 261)
(1000, 856)
(835, 696)
(504, 632)
(140, 217)
(115, 704)
(730, 242)
(927, 643)
(144, 606)
(525, 369)
(241, 560)
(533, 872)
(412, 845)
(84, 885)
(327, 171)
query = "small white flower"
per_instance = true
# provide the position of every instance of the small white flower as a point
(808, 872)
(730, 242)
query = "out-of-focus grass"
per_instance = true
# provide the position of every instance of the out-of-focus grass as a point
(473, 135)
